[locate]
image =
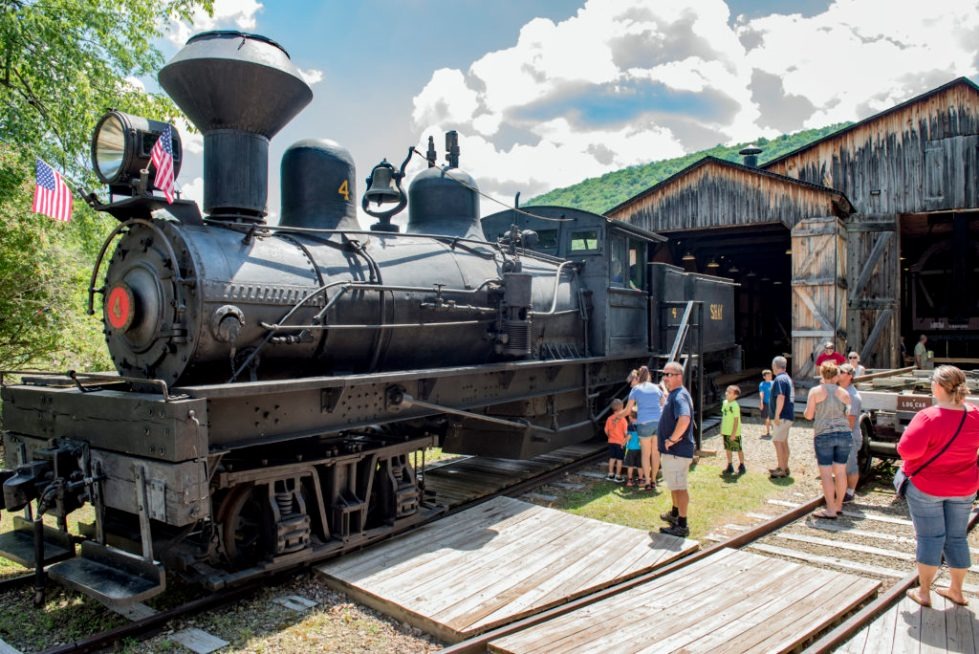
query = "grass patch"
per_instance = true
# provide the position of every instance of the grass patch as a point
(435, 454)
(714, 500)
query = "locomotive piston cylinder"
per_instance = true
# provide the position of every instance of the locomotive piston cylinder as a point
(517, 298)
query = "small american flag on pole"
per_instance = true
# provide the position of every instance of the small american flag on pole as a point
(52, 197)
(162, 157)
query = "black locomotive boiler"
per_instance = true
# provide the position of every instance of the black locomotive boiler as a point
(274, 382)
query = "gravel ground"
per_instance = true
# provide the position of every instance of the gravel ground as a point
(335, 624)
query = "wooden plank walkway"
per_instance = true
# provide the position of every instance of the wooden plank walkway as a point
(907, 627)
(731, 601)
(458, 482)
(496, 563)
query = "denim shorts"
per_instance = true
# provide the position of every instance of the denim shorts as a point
(833, 447)
(940, 527)
(647, 429)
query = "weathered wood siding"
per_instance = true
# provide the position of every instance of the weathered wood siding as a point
(921, 157)
(873, 283)
(718, 195)
(818, 291)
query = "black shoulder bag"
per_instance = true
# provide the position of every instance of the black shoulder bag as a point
(901, 480)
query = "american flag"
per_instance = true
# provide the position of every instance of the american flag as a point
(162, 157)
(52, 197)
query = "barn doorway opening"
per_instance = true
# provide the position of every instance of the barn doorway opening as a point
(940, 285)
(759, 259)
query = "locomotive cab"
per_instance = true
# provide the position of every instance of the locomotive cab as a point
(614, 256)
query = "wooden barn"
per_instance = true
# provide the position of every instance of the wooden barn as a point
(861, 237)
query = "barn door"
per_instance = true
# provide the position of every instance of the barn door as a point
(873, 267)
(818, 291)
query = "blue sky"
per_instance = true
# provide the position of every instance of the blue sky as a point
(545, 93)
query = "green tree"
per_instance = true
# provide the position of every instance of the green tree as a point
(62, 64)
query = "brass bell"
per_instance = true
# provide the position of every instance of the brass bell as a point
(381, 185)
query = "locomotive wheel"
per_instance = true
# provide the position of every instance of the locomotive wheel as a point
(864, 458)
(247, 525)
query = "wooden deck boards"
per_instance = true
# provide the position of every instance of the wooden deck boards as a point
(907, 627)
(496, 563)
(732, 601)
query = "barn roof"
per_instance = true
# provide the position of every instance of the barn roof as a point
(840, 199)
(965, 81)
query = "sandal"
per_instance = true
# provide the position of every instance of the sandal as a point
(944, 592)
(628, 483)
(825, 516)
(912, 594)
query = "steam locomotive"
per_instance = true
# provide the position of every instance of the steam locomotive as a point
(276, 383)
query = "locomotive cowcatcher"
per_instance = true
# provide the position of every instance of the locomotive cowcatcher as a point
(277, 385)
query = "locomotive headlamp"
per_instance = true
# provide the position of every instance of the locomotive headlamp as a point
(121, 146)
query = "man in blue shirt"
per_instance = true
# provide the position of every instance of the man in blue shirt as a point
(676, 445)
(782, 405)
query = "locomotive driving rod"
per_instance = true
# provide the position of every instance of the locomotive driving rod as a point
(397, 398)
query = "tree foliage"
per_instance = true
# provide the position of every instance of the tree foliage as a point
(63, 63)
(599, 194)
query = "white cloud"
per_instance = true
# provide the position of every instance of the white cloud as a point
(192, 141)
(629, 81)
(135, 83)
(239, 13)
(889, 51)
(193, 190)
(311, 76)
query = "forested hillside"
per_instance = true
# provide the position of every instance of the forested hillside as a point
(599, 194)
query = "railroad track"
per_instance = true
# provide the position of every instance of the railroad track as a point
(514, 478)
(873, 538)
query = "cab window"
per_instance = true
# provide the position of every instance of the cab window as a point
(547, 240)
(637, 264)
(618, 262)
(584, 240)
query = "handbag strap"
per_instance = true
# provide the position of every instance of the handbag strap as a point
(965, 412)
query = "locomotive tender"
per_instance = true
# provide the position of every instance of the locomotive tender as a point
(276, 384)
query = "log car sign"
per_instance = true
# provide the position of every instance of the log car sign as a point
(913, 403)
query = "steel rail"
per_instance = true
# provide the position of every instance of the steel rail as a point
(849, 627)
(141, 627)
(12, 583)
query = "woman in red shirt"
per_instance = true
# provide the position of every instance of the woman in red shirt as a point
(940, 496)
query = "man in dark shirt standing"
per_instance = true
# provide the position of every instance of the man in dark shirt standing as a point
(782, 409)
(676, 445)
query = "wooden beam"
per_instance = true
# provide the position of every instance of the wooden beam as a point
(868, 268)
(871, 344)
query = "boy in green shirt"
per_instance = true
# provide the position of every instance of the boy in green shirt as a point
(731, 429)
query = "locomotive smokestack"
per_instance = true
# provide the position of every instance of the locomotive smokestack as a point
(239, 90)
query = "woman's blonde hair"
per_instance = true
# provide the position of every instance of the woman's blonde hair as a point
(643, 375)
(952, 380)
(828, 370)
